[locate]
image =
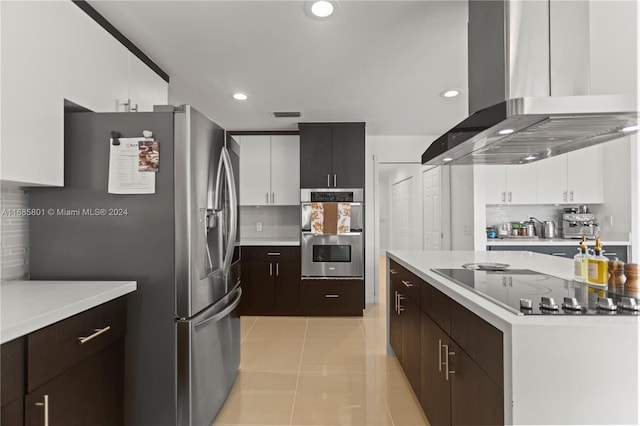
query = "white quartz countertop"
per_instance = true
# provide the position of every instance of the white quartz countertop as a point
(269, 242)
(421, 262)
(28, 306)
(553, 242)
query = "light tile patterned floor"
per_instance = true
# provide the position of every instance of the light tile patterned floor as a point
(319, 371)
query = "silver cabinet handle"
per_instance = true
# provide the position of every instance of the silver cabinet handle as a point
(392, 271)
(277, 269)
(273, 253)
(504, 196)
(571, 195)
(407, 283)
(331, 296)
(273, 198)
(558, 254)
(400, 299)
(447, 372)
(439, 354)
(328, 181)
(98, 331)
(335, 181)
(564, 195)
(509, 196)
(395, 306)
(270, 269)
(267, 194)
(45, 404)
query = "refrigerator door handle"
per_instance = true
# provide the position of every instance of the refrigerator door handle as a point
(223, 313)
(225, 163)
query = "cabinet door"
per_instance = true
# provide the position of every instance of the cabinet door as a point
(395, 321)
(89, 393)
(410, 346)
(347, 157)
(552, 180)
(315, 157)
(96, 65)
(495, 177)
(475, 398)
(287, 287)
(258, 286)
(521, 183)
(146, 88)
(255, 187)
(32, 96)
(585, 175)
(285, 170)
(435, 389)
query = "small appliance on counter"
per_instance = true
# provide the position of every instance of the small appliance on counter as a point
(578, 223)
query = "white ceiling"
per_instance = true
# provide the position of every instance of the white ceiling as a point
(382, 62)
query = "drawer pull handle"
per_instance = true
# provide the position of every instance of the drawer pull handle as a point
(273, 253)
(98, 331)
(331, 296)
(45, 404)
(407, 283)
(392, 271)
(558, 254)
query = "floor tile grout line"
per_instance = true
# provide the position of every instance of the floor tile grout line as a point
(295, 390)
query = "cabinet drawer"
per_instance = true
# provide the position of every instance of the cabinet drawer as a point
(406, 280)
(437, 305)
(332, 297)
(12, 365)
(57, 347)
(270, 253)
(482, 341)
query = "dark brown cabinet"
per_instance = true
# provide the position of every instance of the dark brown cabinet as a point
(72, 371)
(12, 377)
(332, 155)
(332, 297)
(270, 280)
(457, 357)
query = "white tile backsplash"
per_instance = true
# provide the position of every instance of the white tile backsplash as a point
(14, 235)
(278, 222)
(498, 214)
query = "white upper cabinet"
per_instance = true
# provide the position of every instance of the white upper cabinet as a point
(576, 177)
(510, 184)
(269, 170)
(96, 64)
(146, 87)
(32, 151)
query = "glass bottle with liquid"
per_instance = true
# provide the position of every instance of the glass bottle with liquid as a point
(598, 265)
(581, 264)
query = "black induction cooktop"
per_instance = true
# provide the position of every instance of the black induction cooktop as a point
(526, 292)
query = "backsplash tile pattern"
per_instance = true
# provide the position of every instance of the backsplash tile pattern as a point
(14, 235)
(498, 214)
(278, 222)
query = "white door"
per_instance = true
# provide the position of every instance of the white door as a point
(585, 175)
(402, 228)
(432, 209)
(255, 186)
(551, 180)
(285, 170)
(495, 177)
(521, 183)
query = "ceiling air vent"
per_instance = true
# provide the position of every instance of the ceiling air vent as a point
(287, 114)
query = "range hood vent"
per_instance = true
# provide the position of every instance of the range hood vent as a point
(532, 99)
(287, 114)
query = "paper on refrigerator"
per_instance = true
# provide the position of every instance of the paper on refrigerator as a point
(125, 176)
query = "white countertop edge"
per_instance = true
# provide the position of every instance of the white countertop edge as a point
(552, 242)
(497, 315)
(16, 327)
(269, 243)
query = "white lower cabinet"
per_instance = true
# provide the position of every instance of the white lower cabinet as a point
(576, 177)
(269, 170)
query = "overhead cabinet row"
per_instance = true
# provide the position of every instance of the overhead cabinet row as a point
(52, 52)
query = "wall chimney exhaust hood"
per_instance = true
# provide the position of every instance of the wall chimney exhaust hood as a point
(530, 86)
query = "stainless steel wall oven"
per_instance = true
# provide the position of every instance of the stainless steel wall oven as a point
(332, 243)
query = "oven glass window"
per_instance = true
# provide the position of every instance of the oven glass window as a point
(333, 253)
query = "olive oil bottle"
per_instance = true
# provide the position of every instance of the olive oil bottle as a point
(598, 265)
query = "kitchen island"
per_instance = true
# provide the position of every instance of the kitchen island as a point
(556, 369)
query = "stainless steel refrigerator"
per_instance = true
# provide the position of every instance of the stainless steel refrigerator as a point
(182, 349)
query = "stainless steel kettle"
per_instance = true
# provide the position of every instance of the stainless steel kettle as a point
(547, 228)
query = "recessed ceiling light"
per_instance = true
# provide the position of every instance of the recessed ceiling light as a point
(322, 8)
(446, 160)
(240, 96)
(505, 131)
(451, 93)
(630, 128)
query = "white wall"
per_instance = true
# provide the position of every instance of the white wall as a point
(381, 149)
